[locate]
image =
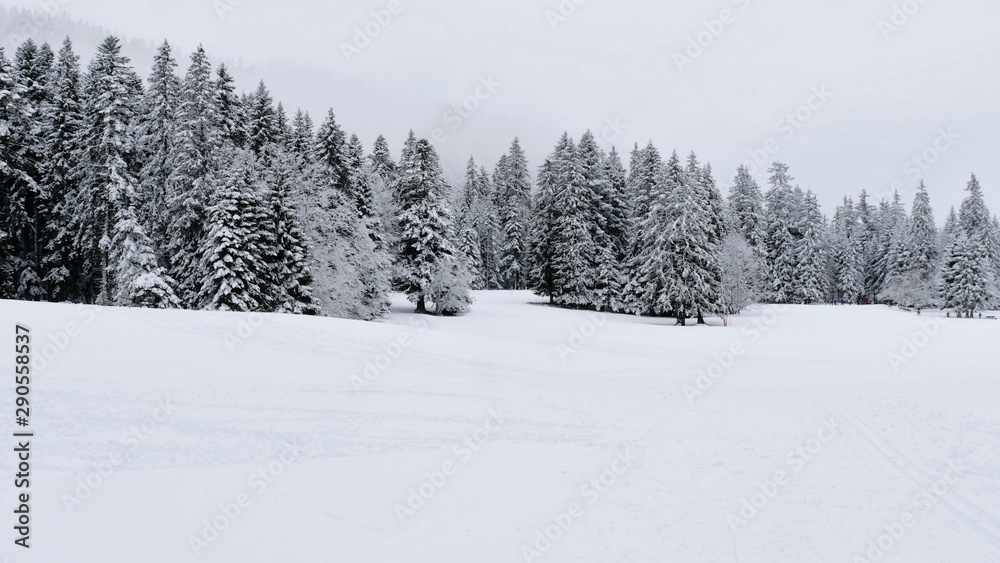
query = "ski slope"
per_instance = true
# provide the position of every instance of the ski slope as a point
(518, 432)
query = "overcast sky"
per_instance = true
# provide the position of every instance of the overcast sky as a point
(882, 92)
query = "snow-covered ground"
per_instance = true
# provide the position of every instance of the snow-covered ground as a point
(801, 433)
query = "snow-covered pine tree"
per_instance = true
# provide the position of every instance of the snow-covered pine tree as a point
(28, 199)
(613, 269)
(848, 282)
(290, 276)
(922, 241)
(11, 169)
(425, 226)
(303, 135)
(512, 184)
(156, 135)
(541, 235)
(332, 154)
(139, 280)
(261, 119)
(112, 91)
(707, 193)
(965, 278)
(810, 250)
(573, 246)
(235, 274)
(62, 118)
(232, 113)
(383, 174)
(685, 266)
(194, 162)
(746, 209)
(975, 221)
(467, 226)
(646, 167)
(783, 209)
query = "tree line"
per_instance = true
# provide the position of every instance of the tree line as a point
(180, 192)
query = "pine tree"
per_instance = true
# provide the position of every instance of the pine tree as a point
(139, 280)
(331, 152)
(156, 135)
(783, 207)
(290, 276)
(541, 278)
(467, 226)
(923, 236)
(13, 175)
(746, 209)
(573, 246)
(235, 274)
(646, 168)
(112, 91)
(513, 186)
(62, 119)
(232, 114)
(810, 251)
(425, 222)
(27, 196)
(303, 135)
(613, 266)
(848, 280)
(261, 120)
(965, 279)
(194, 166)
(975, 221)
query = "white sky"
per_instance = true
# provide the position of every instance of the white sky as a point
(613, 61)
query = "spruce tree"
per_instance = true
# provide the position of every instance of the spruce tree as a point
(965, 280)
(194, 166)
(62, 119)
(425, 224)
(235, 274)
(781, 236)
(106, 168)
(746, 209)
(810, 250)
(156, 135)
(573, 246)
(513, 185)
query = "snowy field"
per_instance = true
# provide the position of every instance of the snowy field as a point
(516, 433)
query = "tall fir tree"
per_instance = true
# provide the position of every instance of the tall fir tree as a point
(425, 222)
(106, 168)
(195, 164)
(513, 186)
(156, 135)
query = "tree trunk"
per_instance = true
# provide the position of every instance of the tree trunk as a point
(701, 319)
(421, 305)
